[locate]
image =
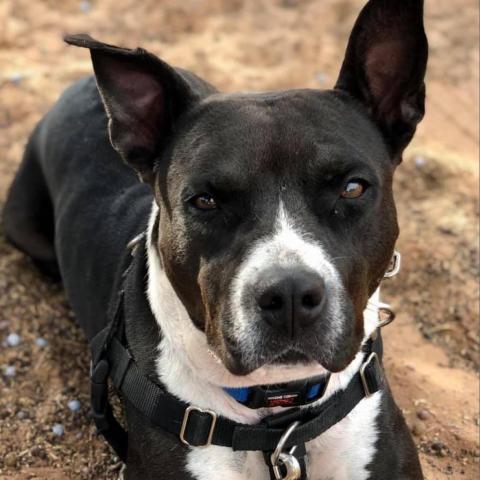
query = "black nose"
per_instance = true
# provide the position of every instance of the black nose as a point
(290, 299)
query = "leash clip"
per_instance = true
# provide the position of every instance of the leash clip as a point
(288, 461)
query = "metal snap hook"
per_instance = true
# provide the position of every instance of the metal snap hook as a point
(287, 460)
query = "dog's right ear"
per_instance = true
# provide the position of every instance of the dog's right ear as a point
(143, 97)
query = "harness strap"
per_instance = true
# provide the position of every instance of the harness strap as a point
(197, 427)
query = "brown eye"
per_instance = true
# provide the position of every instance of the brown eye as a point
(204, 201)
(353, 189)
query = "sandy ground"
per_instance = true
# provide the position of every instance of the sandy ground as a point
(432, 349)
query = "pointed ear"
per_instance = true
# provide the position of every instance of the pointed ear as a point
(143, 96)
(384, 67)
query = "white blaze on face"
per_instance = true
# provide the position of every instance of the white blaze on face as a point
(287, 246)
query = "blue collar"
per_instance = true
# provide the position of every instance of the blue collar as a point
(291, 394)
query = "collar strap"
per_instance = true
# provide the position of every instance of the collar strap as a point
(291, 394)
(198, 427)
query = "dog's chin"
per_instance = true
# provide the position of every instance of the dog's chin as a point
(287, 359)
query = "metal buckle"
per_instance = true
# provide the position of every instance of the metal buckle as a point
(279, 458)
(394, 266)
(372, 357)
(188, 411)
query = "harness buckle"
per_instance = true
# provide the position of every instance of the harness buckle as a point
(186, 417)
(371, 375)
(99, 394)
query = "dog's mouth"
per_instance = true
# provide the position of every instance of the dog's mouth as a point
(287, 358)
(279, 354)
(291, 356)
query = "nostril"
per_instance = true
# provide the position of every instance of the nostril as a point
(308, 301)
(311, 300)
(270, 302)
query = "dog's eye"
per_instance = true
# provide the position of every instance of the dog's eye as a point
(354, 189)
(204, 201)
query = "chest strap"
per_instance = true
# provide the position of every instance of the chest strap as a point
(197, 427)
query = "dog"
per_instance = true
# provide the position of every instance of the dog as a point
(263, 224)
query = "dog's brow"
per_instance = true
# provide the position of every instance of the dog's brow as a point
(335, 167)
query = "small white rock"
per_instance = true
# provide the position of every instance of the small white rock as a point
(9, 371)
(41, 342)
(321, 78)
(74, 405)
(420, 161)
(58, 429)
(85, 6)
(16, 78)
(13, 340)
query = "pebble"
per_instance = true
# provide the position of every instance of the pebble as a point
(39, 452)
(16, 78)
(41, 342)
(22, 415)
(420, 161)
(74, 405)
(423, 414)
(9, 371)
(418, 429)
(85, 6)
(13, 340)
(321, 78)
(10, 459)
(58, 429)
(439, 448)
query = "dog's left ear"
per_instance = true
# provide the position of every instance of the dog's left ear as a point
(384, 68)
(143, 98)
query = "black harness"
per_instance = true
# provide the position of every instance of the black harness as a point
(197, 427)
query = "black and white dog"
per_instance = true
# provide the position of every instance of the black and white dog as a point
(270, 222)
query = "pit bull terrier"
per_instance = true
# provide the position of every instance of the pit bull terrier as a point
(240, 333)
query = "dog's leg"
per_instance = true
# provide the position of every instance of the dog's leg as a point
(28, 214)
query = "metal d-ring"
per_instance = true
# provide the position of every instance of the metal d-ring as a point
(389, 315)
(395, 265)
(279, 458)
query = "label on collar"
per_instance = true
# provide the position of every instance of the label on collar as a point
(284, 400)
(290, 394)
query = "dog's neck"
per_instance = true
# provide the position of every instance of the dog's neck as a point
(190, 370)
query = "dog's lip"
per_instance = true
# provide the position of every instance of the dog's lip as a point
(286, 358)
(290, 355)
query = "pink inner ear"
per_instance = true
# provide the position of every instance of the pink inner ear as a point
(143, 105)
(386, 69)
(137, 104)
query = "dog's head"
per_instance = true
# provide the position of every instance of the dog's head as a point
(277, 219)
